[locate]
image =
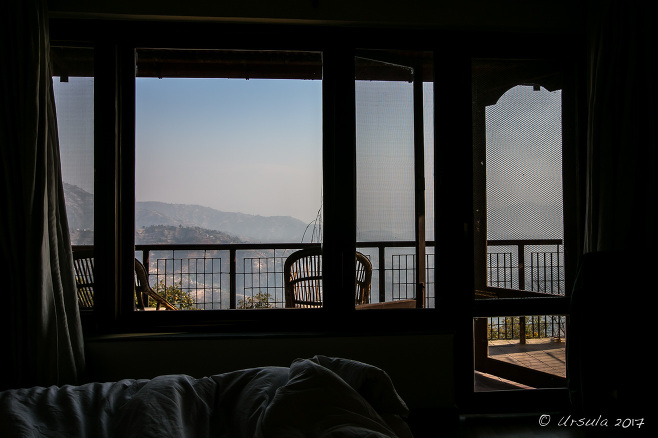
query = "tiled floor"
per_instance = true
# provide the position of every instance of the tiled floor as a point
(542, 354)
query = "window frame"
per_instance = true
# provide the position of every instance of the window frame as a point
(115, 42)
(564, 56)
(114, 174)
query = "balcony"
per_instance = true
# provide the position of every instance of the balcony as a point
(521, 352)
(243, 276)
(240, 276)
(229, 276)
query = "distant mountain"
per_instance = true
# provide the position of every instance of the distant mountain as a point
(79, 207)
(155, 234)
(240, 226)
(247, 227)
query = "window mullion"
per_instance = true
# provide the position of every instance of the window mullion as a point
(419, 182)
(339, 175)
(126, 177)
(106, 285)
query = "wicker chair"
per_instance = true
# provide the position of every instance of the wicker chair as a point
(143, 290)
(83, 262)
(303, 278)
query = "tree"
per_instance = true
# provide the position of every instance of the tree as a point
(259, 301)
(175, 295)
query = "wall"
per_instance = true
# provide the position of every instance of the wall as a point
(538, 15)
(420, 365)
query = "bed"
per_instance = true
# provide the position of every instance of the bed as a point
(317, 397)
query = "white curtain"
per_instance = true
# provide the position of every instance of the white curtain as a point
(39, 318)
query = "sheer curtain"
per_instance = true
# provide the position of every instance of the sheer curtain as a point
(39, 317)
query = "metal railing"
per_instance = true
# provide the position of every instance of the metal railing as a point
(234, 276)
(532, 265)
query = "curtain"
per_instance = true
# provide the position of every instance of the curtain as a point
(621, 131)
(39, 316)
(610, 328)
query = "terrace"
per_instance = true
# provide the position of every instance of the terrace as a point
(243, 276)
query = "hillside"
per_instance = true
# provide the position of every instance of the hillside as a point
(247, 227)
(79, 207)
(237, 226)
(180, 235)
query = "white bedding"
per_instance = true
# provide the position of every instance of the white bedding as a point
(319, 397)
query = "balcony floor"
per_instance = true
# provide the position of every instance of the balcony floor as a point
(542, 354)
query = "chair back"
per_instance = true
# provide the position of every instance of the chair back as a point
(83, 262)
(143, 290)
(363, 279)
(303, 278)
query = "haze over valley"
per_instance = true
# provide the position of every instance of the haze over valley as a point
(159, 222)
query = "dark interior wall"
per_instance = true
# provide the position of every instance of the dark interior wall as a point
(421, 366)
(539, 15)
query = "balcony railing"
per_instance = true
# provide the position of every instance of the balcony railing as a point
(528, 265)
(233, 276)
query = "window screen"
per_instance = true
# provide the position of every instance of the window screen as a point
(392, 166)
(517, 116)
(73, 86)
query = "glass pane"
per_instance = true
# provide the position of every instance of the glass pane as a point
(428, 122)
(521, 352)
(226, 163)
(74, 101)
(524, 165)
(517, 118)
(386, 175)
(385, 156)
(73, 88)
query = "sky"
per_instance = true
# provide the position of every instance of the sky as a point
(250, 146)
(255, 146)
(524, 165)
(75, 121)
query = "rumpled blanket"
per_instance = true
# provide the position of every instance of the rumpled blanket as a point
(318, 397)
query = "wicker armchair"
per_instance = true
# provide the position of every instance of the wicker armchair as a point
(143, 290)
(303, 278)
(83, 262)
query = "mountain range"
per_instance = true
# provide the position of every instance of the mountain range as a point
(181, 223)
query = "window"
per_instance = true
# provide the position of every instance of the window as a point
(519, 212)
(228, 172)
(73, 86)
(190, 118)
(394, 172)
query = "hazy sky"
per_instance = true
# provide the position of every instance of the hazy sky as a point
(75, 122)
(250, 146)
(385, 160)
(255, 146)
(524, 165)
